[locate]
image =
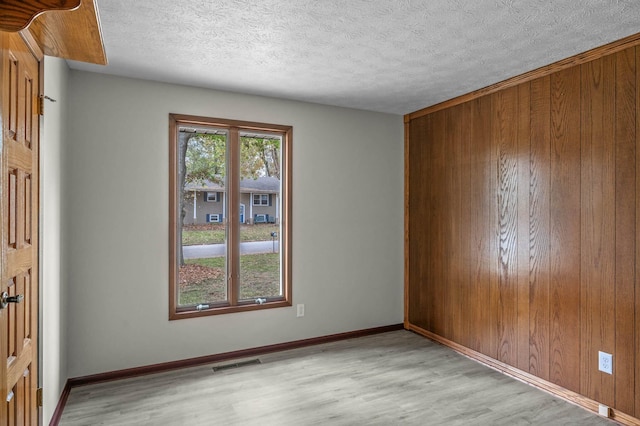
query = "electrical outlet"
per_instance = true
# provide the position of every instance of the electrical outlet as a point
(604, 410)
(300, 312)
(605, 362)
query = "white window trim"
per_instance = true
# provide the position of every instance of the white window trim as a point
(217, 215)
(253, 200)
(215, 196)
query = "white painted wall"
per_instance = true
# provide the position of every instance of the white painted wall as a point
(347, 265)
(53, 317)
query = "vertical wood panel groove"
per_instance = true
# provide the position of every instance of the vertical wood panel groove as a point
(505, 136)
(466, 288)
(539, 227)
(636, 327)
(481, 209)
(625, 192)
(523, 157)
(454, 298)
(407, 216)
(598, 225)
(564, 235)
(440, 276)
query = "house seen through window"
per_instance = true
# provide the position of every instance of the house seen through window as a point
(261, 199)
(230, 216)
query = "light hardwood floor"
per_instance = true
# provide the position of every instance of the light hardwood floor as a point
(395, 378)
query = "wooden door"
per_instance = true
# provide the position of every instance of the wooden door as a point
(20, 79)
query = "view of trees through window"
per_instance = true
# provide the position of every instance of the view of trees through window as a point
(219, 262)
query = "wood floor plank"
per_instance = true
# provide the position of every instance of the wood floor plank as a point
(396, 378)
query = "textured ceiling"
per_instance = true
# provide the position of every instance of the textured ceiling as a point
(393, 56)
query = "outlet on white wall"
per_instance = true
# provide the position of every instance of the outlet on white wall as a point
(300, 312)
(605, 362)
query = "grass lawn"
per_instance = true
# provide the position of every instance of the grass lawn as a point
(214, 233)
(259, 274)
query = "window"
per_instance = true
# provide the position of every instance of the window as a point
(226, 263)
(260, 199)
(214, 218)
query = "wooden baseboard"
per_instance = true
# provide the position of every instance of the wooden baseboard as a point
(209, 359)
(552, 388)
(57, 414)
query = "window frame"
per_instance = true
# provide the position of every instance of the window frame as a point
(233, 304)
(262, 196)
(215, 197)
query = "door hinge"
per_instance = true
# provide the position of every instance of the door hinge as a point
(41, 100)
(39, 397)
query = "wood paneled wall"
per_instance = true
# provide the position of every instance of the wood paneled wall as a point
(522, 209)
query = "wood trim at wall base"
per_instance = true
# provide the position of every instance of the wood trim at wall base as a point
(537, 382)
(578, 59)
(57, 414)
(210, 359)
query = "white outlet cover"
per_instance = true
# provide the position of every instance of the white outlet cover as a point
(605, 362)
(603, 410)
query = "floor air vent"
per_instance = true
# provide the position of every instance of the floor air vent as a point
(236, 365)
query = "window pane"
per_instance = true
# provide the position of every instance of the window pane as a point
(260, 276)
(202, 271)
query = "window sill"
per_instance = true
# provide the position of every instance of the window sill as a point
(194, 313)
